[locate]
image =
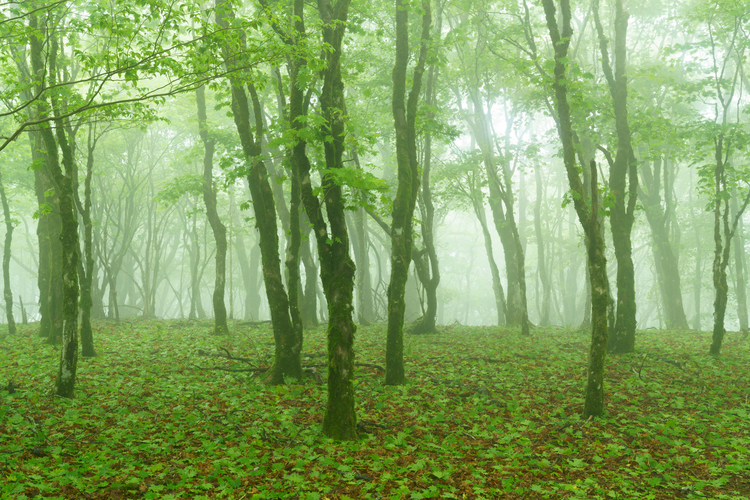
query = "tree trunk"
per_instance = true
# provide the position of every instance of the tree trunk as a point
(501, 203)
(541, 258)
(429, 274)
(337, 269)
(594, 403)
(724, 231)
(69, 234)
(667, 269)
(288, 346)
(623, 175)
(404, 117)
(497, 285)
(740, 269)
(212, 214)
(309, 305)
(87, 335)
(7, 292)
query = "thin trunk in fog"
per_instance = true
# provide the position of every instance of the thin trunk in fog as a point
(477, 203)
(724, 232)
(87, 278)
(665, 259)
(623, 182)
(724, 229)
(196, 307)
(501, 204)
(540, 255)
(427, 266)
(740, 267)
(248, 270)
(7, 292)
(212, 214)
(404, 117)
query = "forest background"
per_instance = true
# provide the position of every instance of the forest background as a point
(539, 164)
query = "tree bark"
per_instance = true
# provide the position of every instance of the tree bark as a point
(336, 267)
(65, 383)
(288, 347)
(404, 117)
(740, 269)
(212, 214)
(497, 285)
(623, 175)
(724, 232)
(87, 335)
(541, 258)
(430, 271)
(667, 269)
(594, 402)
(7, 292)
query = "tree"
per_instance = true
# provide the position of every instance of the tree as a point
(427, 266)
(623, 174)
(287, 359)
(218, 228)
(404, 117)
(7, 292)
(64, 184)
(587, 215)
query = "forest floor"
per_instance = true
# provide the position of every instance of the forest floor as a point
(485, 414)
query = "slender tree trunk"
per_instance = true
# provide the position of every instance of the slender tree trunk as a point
(541, 258)
(287, 359)
(7, 292)
(623, 175)
(724, 231)
(667, 269)
(364, 288)
(337, 269)
(594, 403)
(740, 268)
(497, 285)
(429, 274)
(87, 335)
(309, 305)
(212, 214)
(404, 117)
(195, 260)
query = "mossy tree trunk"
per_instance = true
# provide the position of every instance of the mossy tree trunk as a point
(724, 231)
(212, 214)
(404, 117)
(336, 266)
(65, 383)
(7, 292)
(587, 215)
(623, 182)
(288, 347)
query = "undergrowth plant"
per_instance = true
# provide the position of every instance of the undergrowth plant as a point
(170, 411)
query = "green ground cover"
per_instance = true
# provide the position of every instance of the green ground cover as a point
(486, 414)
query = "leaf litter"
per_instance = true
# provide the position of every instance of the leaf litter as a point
(486, 413)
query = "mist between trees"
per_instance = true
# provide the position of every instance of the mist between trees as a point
(518, 164)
